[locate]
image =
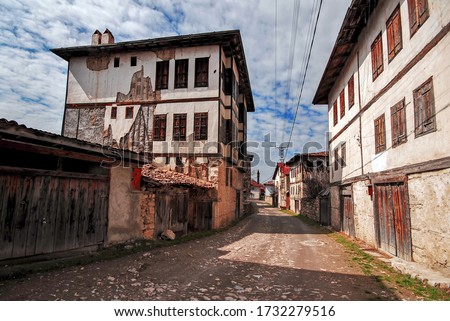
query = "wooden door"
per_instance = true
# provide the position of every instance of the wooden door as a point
(347, 214)
(203, 215)
(392, 222)
(171, 212)
(238, 204)
(325, 213)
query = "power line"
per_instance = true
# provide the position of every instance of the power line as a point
(275, 62)
(304, 76)
(294, 28)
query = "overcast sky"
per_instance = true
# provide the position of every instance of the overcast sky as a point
(33, 80)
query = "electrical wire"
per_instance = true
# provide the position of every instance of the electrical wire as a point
(304, 76)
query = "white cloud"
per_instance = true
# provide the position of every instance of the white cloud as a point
(33, 80)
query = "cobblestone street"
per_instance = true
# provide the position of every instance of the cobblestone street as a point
(267, 256)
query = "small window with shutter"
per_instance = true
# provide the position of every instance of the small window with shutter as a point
(162, 75)
(418, 14)
(129, 113)
(377, 57)
(424, 113)
(113, 112)
(343, 155)
(181, 73)
(201, 72)
(200, 126)
(336, 159)
(398, 123)
(159, 127)
(380, 135)
(342, 103)
(179, 127)
(394, 34)
(351, 92)
(335, 115)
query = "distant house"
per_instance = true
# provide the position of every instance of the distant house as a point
(282, 185)
(269, 192)
(308, 176)
(181, 101)
(386, 85)
(257, 190)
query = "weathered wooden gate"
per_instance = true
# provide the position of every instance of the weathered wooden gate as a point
(347, 215)
(392, 219)
(171, 211)
(325, 211)
(49, 213)
(203, 215)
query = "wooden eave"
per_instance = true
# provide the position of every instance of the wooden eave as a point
(355, 20)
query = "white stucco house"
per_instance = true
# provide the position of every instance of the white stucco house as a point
(387, 90)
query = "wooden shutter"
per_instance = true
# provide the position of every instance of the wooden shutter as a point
(162, 75)
(422, 11)
(351, 92)
(335, 115)
(336, 159)
(412, 11)
(201, 126)
(424, 112)
(181, 73)
(380, 134)
(159, 128)
(398, 123)
(391, 40)
(343, 154)
(342, 103)
(201, 72)
(179, 127)
(394, 34)
(377, 57)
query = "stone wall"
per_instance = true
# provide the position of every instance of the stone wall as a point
(147, 215)
(363, 213)
(310, 207)
(430, 218)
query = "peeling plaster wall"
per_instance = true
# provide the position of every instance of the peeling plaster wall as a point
(71, 123)
(98, 84)
(90, 125)
(85, 124)
(123, 223)
(430, 218)
(363, 211)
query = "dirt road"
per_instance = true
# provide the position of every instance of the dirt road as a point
(267, 256)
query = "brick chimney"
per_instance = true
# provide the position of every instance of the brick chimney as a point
(96, 38)
(107, 37)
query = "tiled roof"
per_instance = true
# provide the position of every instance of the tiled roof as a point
(163, 176)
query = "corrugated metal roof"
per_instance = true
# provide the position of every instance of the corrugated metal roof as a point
(355, 20)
